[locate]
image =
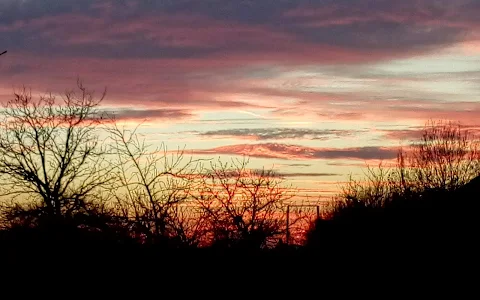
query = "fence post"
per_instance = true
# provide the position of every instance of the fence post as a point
(288, 225)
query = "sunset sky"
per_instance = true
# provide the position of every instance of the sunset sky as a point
(316, 89)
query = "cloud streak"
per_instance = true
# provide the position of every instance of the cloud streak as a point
(148, 114)
(296, 152)
(289, 175)
(279, 133)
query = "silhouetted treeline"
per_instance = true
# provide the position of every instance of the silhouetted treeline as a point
(424, 205)
(71, 175)
(70, 191)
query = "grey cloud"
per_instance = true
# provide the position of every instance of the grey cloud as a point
(129, 114)
(298, 165)
(280, 133)
(248, 11)
(405, 134)
(15, 10)
(374, 25)
(285, 175)
(292, 152)
(133, 46)
(364, 153)
(381, 35)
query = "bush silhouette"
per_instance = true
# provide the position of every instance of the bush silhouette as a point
(427, 202)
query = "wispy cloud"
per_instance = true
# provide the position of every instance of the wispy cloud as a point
(285, 151)
(279, 133)
(405, 134)
(287, 175)
(147, 114)
(416, 133)
(297, 165)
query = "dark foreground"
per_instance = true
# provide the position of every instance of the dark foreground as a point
(436, 234)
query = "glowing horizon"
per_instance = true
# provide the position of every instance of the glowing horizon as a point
(314, 90)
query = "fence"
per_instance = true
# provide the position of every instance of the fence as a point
(299, 218)
(296, 220)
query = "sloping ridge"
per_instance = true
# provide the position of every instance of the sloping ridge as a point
(472, 188)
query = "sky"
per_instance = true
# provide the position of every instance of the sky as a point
(315, 89)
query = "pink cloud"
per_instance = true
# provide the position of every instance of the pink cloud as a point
(381, 110)
(160, 83)
(415, 133)
(166, 56)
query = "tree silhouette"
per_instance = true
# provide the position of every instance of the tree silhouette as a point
(446, 158)
(150, 184)
(427, 199)
(51, 152)
(243, 206)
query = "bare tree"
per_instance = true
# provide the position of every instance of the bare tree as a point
(51, 152)
(419, 201)
(150, 184)
(446, 158)
(242, 205)
(189, 225)
(373, 190)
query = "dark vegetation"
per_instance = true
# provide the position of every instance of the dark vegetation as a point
(77, 187)
(423, 207)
